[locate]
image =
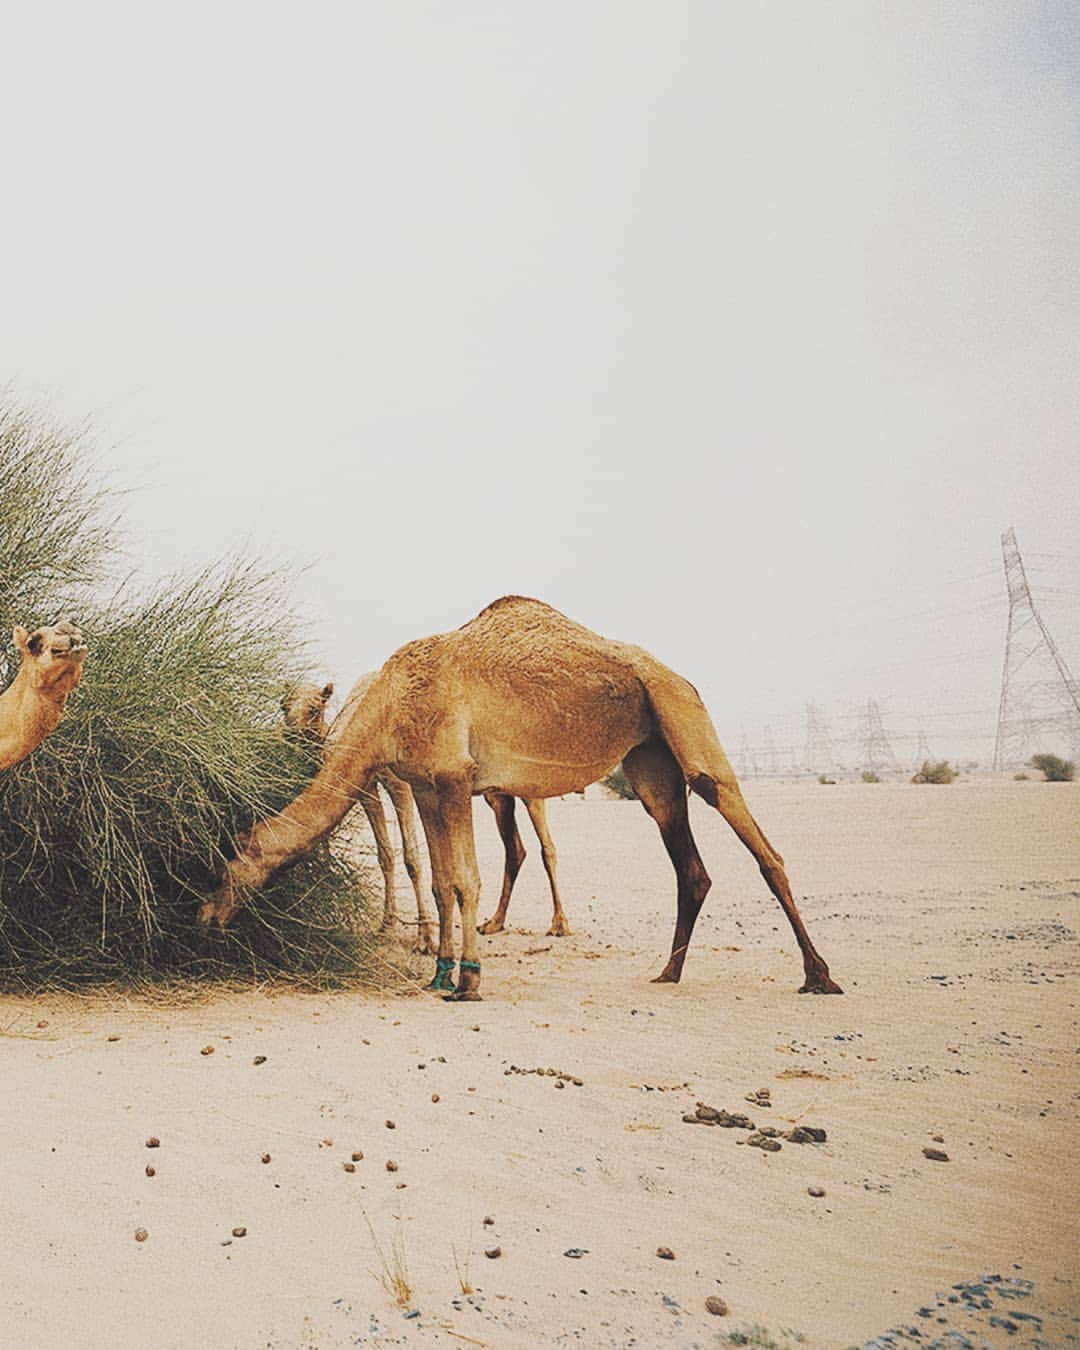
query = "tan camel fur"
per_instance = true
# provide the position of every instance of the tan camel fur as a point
(33, 704)
(305, 713)
(525, 702)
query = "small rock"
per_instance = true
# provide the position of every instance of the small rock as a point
(141, 1234)
(358, 1156)
(769, 1131)
(805, 1134)
(665, 1254)
(935, 1155)
(153, 1142)
(559, 1083)
(265, 1158)
(390, 1125)
(493, 1253)
(259, 1059)
(112, 1038)
(207, 1050)
(488, 1220)
(762, 1141)
(349, 1167)
(151, 1171)
(816, 1191)
(240, 1231)
(938, 1138)
(578, 1082)
(576, 1253)
(716, 1306)
(434, 1096)
(391, 1166)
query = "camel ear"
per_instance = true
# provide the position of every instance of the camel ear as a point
(20, 637)
(327, 690)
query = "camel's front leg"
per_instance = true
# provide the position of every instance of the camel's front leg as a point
(384, 850)
(405, 809)
(446, 814)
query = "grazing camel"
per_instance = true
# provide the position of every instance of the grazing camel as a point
(33, 704)
(520, 700)
(305, 713)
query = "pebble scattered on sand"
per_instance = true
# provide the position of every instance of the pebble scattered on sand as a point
(816, 1191)
(935, 1154)
(239, 1231)
(390, 1125)
(548, 1073)
(711, 1115)
(207, 1050)
(259, 1059)
(488, 1220)
(806, 1134)
(153, 1142)
(265, 1158)
(763, 1141)
(391, 1166)
(141, 1234)
(349, 1167)
(762, 1097)
(575, 1253)
(665, 1254)
(151, 1171)
(493, 1253)
(434, 1096)
(716, 1306)
(358, 1155)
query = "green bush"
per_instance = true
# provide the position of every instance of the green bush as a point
(935, 771)
(117, 825)
(824, 779)
(1054, 769)
(619, 785)
(869, 776)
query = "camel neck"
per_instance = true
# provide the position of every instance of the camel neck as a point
(27, 715)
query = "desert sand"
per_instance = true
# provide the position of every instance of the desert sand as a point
(949, 915)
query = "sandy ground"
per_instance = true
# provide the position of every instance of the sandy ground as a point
(949, 914)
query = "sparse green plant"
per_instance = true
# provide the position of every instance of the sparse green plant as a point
(619, 785)
(825, 779)
(1021, 778)
(113, 829)
(393, 1268)
(935, 771)
(1053, 768)
(869, 776)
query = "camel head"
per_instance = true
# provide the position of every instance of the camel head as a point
(52, 657)
(305, 709)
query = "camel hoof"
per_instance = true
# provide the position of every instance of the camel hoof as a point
(212, 914)
(464, 996)
(823, 985)
(491, 926)
(423, 949)
(666, 977)
(560, 932)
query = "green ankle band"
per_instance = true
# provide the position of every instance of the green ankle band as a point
(444, 966)
(469, 965)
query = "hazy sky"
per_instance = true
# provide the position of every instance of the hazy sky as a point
(738, 331)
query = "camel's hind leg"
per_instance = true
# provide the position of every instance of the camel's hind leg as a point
(514, 850)
(538, 815)
(658, 781)
(373, 809)
(405, 809)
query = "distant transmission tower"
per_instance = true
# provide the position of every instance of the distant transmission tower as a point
(772, 762)
(922, 751)
(819, 755)
(748, 765)
(877, 753)
(1040, 700)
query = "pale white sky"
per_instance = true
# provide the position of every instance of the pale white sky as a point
(741, 332)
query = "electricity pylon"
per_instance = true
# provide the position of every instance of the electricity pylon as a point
(819, 754)
(1040, 700)
(877, 753)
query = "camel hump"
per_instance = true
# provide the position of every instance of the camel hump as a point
(684, 723)
(519, 602)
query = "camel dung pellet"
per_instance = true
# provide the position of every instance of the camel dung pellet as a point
(207, 1050)
(240, 1231)
(112, 1038)
(493, 1253)
(665, 1254)
(816, 1191)
(434, 1096)
(578, 1082)
(401, 1185)
(265, 1158)
(938, 1138)
(153, 1142)
(391, 1166)
(559, 1083)
(488, 1220)
(935, 1155)
(151, 1171)
(390, 1125)
(349, 1166)
(141, 1234)
(358, 1156)
(716, 1306)
(259, 1059)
